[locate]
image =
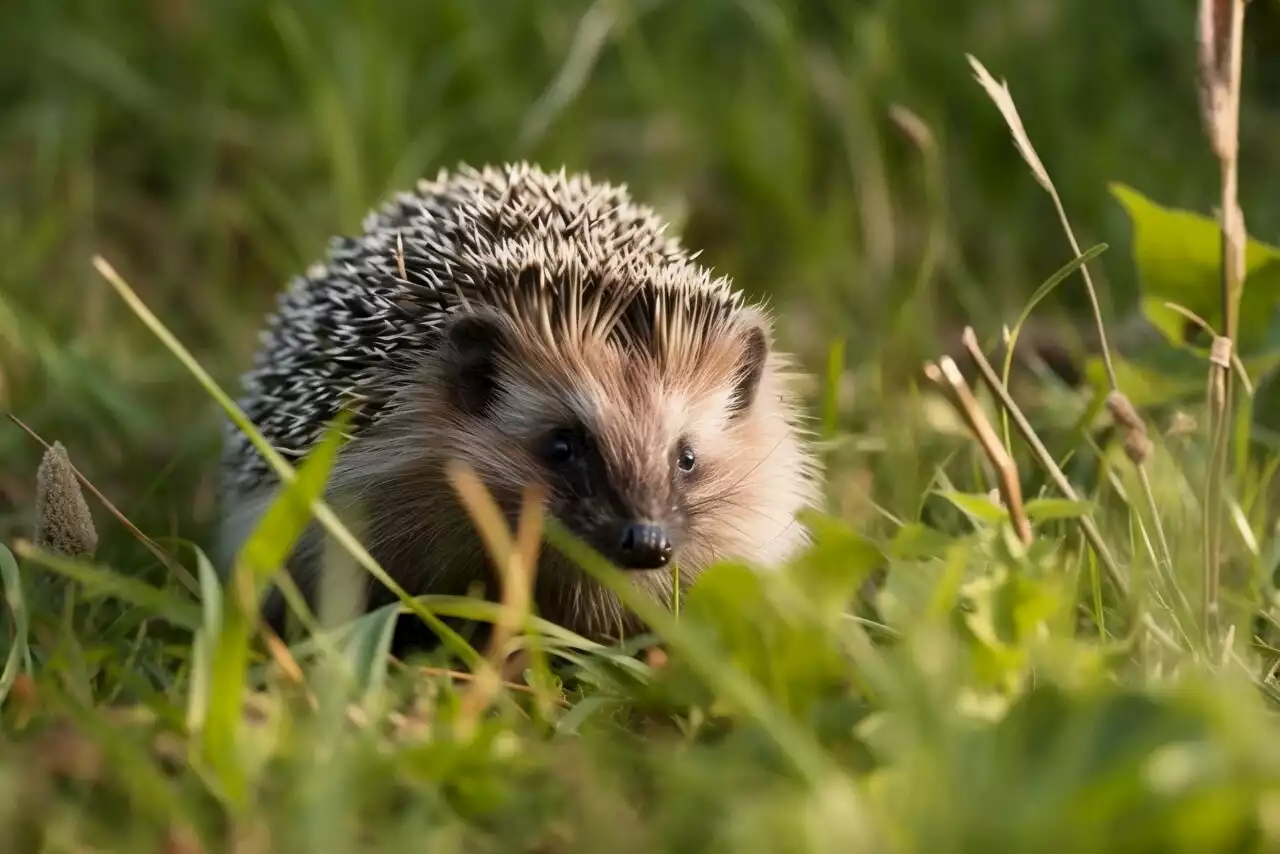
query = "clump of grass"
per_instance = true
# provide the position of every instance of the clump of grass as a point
(882, 692)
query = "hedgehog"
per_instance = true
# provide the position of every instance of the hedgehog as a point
(546, 330)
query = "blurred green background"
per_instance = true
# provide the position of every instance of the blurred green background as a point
(836, 156)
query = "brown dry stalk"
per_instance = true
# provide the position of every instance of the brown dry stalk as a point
(1003, 99)
(1051, 468)
(1042, 454)
(516, 560)
(463, 676)
(1220, 36)
(285, 661)
(947, 375)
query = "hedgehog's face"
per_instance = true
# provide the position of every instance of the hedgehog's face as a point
(652, 456)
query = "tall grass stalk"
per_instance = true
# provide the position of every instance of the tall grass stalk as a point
(327, 518)
(1000, 95)
(1220, 35)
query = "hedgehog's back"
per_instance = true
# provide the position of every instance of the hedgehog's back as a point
(344, 332)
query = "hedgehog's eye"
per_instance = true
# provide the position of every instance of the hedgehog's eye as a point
(686, 460)
(563, 446)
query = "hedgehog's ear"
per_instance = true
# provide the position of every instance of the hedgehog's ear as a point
(470, 348)
(752, 354)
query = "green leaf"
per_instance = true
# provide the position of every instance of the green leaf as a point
(367, 649)
(975, 505)
(911, 588)
(1144, 385)
(1046, 288)
(779, 641)
(917, 541)
(100, 581)
(730, 683)
(263, 554)
(206, 638)
(572, 721)
(280, 527)
(1041, 509)
(1178, 253)
(837, 563)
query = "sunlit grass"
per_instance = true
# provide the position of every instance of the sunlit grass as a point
(924, 678)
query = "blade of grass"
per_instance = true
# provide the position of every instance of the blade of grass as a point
(101, 581)
(1064, 272)
(327, 518)
(19, 656)
(798, 748)
(266, 549)
(1003, 99)
(1220, 39)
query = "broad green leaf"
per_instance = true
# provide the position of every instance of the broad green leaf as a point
(911, 588)
(1178, 254)
(780, 643)
(838, 562)
(717, 673)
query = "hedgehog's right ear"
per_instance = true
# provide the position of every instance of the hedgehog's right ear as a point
(754, 353)
(470, 348)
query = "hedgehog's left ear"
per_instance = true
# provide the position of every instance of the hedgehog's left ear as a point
(469, 356)
(752, 354)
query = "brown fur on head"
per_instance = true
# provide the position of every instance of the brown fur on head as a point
(664, 407)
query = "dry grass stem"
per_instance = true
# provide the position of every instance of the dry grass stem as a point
(947, 375)
(914, 127)
(1000, 95)
(1220, 36)
(1055, 473)
(1217, 353)
(1042, 454)
(463, 676)
(324, 514)
(516, 561)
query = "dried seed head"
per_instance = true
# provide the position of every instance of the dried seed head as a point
(64, 525)
(1137, 445)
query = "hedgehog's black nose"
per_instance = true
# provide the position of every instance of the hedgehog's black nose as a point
(643, 545)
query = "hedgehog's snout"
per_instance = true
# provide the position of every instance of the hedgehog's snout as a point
(644, 545)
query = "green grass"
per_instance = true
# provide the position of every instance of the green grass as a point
(840, 159)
